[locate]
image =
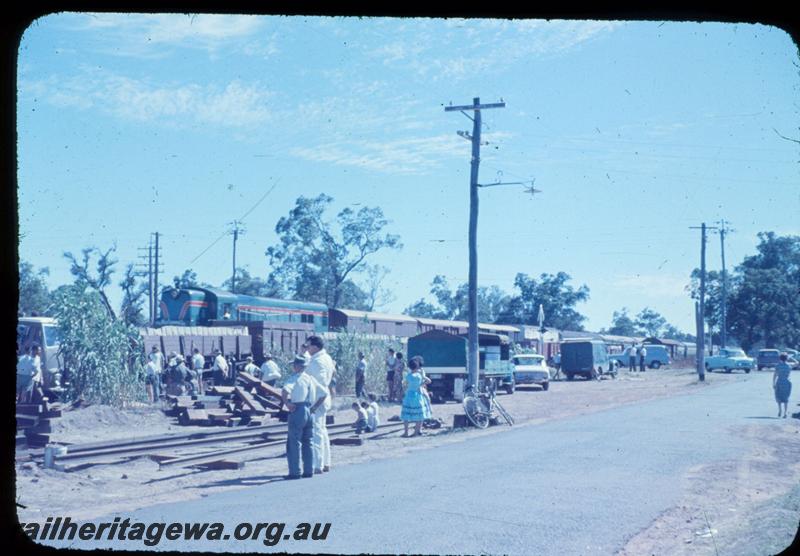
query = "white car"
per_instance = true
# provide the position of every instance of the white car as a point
(530, 368)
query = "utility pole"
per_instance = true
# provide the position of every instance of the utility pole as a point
(236, 231)
(724, 325)
(701, 307)
(476, 107)
(156, 270)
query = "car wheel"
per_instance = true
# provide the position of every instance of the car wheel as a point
(760, 368)
(546, 386)
(655, 365)
(727, 369)
(510, 388)
(570, 376)
(747, 371)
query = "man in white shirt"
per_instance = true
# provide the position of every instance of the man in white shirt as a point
(198, 362)
(152, 381)
(632, 358)
(302, 395)
(321, 367)
(642, 355)
(373, 415)
(220, 368)
(29, 374)
(251, 368)
(270, 372)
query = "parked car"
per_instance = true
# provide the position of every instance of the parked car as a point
(729, 359)
(530, 368)
(586, 358)
(768, 358)
(656, 356)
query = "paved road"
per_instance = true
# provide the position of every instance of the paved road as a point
(578, 486)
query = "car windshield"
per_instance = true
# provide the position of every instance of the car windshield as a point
(768, 352)
(736, 353)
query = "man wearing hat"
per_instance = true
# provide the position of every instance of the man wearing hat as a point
(250, 367)
(302, 395)
(220, 368)
(270, 372)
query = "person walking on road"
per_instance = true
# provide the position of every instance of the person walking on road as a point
(321, 367)
(390, 375)
(270, 372)
(781, 384)
(300, 398)
(361, 374)
(642, 355)
(414, 408)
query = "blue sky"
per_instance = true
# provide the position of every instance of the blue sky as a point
(635, 131)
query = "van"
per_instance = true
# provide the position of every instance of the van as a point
(586, 358)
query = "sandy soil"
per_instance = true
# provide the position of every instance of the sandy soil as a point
(104, 489)
(726, 507)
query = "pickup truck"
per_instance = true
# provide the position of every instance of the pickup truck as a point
(729, 359)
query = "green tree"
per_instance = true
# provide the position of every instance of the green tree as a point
(103, 355)
(553, 292)
(650, 322)
(764, 306)
(104, 270)
(34, 297)
(186, 280)
(315, 258)
(622, 324)
(454, 304)
(251, 285)
(134, 293)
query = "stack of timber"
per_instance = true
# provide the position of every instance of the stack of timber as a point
(251, 402)
(33, 422)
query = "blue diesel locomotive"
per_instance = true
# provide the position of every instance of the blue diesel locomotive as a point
(206, 306)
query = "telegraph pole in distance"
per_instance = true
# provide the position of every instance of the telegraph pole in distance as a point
(156, 270)
(236, 231)
(724, 326)
(475, 107)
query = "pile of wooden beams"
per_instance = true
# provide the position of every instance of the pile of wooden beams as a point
(250, 402)
(33, 422)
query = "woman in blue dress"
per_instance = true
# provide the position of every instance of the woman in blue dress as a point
(781, 384)
(415, 409)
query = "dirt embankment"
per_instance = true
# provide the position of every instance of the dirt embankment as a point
(103, 489)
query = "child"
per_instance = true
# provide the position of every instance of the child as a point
(373, 419)
(361, 418)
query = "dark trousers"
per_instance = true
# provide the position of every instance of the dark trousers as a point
(361, 426)
(298, 441)
(632, 363)
(641, 364)
(359, 388)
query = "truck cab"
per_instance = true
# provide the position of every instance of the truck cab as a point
(44, 332)
(445, 362)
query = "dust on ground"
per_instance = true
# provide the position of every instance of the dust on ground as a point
(746, 506)
(111, 488)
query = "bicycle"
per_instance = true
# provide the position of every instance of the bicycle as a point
(480, 406)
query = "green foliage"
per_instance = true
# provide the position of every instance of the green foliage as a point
(554, 293)
(132, 309)
(104, 356)
(622, 324)
(344, 350)
(34, 296)
(650, 322)
(251, 285)
(454, 304)
(314, 260)
(99, 280)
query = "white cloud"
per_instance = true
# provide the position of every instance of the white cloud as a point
(237, 104)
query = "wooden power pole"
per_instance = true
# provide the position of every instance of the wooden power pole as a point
(476, 108)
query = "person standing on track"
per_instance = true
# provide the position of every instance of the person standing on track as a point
(321, 367)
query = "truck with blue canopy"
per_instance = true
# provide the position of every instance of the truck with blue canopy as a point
(445, 362)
